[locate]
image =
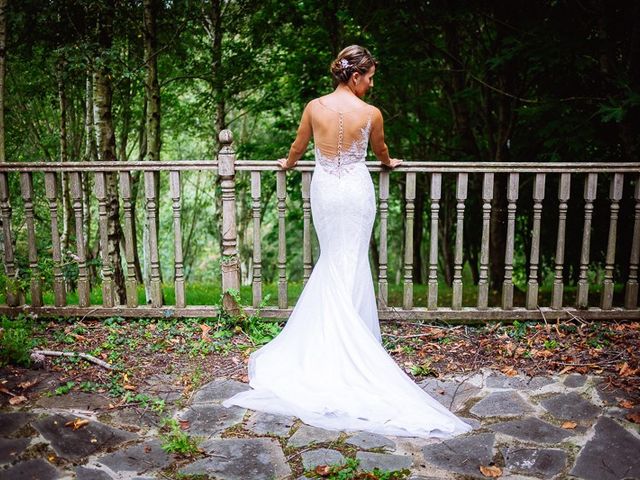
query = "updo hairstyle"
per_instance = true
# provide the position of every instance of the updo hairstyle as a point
(351, 59)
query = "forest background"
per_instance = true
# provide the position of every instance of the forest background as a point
(475, 81)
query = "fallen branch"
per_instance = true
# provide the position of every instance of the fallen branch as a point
(86, 356)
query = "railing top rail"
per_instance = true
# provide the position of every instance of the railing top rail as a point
(305, 165)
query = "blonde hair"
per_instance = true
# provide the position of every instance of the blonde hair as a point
(351, 59)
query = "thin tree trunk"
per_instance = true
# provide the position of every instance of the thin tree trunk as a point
(106, 142)
(213, 24)
(152, 98)
(64, 156)
(3, 45)
(90, 155)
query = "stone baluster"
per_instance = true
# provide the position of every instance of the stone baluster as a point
(631, 289)
(281, 192)
(131, 284)
(410, 196)
(383, 285)
(483, 282)
(151, 197)
(512, 197)
(256, 208)
(306, 227)
(174, 185)
(590, 191)
(26, 187)
(534, 259)
(75, 188)
(461, 196)
(615, 195)
(59, 290)
(435, 194)
(564, 192)
(230, 266)
(13, 292)
(107, 269)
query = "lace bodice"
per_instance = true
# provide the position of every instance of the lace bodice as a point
(345, 159)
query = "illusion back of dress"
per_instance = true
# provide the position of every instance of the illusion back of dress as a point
(340, 137)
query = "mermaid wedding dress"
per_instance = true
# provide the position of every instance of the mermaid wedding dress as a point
(327, 366)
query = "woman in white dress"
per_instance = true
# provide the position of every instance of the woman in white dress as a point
(328, 366)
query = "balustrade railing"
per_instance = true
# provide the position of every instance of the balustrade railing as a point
(624, 177)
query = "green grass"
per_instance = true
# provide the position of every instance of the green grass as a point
(209, 294)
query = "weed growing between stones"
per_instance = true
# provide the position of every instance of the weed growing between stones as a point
(177, 441)
(350, 471)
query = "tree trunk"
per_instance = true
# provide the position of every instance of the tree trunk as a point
(213, 23)
(67, 221)
(90, 155)
(106, 143)
(152, 99)
(3, 45)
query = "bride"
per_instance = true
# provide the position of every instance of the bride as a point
(327, 366)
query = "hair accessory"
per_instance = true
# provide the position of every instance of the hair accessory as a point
(344, 63)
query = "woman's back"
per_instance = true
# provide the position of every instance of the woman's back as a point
(340, 129)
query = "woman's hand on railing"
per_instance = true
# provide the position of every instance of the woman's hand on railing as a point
(394, 163)
(283, 163)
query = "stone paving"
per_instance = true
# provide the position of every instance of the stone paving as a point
(518, 426)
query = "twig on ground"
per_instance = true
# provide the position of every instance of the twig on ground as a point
(86, 356)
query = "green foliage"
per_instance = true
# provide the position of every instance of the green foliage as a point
(64, 388)
(175, 440)
(16, 341)
(350, 471)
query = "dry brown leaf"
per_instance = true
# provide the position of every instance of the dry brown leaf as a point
(509, 371)
(129, 387)
(566, 369)
(17, 400)
(77, 423)
(633, 417)
(322, 470)
(569, 425)
(626, 404)
(27, 384)
(624, 369)
(184, 424)
(4, 389)
(491, 471)
(205, 332)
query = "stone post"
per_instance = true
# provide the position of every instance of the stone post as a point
(229, 264)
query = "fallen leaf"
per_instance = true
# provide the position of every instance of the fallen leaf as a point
(77, 423)
(624, 370)
(322, 470)
(129, 387)
(17, 400)
(205, 332)
(509, 371)
(4, 389)
(633, 417)
(491, 471)
(184, 424)
(569, 425)
(27, 384)
(566, 369)
(626, 404)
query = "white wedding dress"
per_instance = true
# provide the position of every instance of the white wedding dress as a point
(327, 366)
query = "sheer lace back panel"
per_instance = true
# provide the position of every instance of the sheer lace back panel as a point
(340, 137)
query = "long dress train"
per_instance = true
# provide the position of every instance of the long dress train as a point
(327, 366)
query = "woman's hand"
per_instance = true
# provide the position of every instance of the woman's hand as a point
(283, 163)
(394, 163)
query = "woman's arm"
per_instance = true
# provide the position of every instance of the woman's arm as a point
(299, 145)
(378, 146)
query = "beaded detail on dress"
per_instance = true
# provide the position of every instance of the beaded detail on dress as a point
(345, 160)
